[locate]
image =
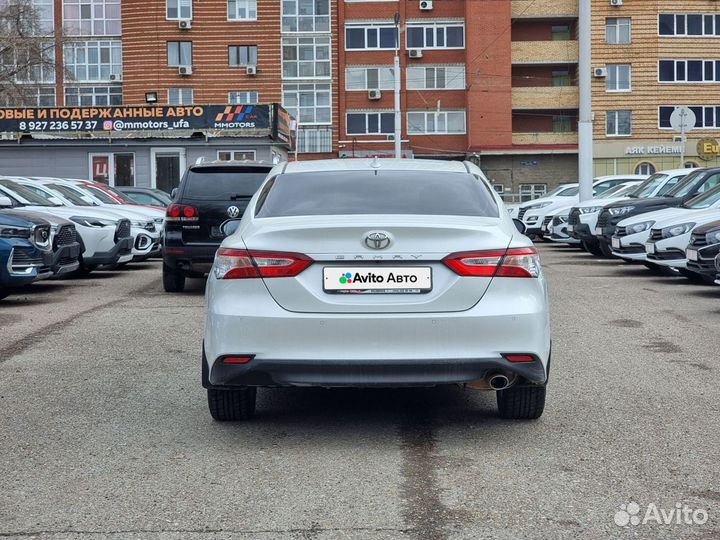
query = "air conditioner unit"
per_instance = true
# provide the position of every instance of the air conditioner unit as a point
(251, 70)
(426, 5)
(115, 77)
(184, 70)
(616, 3)
(374, 94)
(415, 53)
(600, 72)
(185, 24)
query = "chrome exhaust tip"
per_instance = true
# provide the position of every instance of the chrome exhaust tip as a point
(498, 381)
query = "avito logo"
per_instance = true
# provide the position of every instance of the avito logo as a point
(347, 278)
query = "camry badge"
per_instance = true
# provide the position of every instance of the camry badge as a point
(377, 240)
(233, 211)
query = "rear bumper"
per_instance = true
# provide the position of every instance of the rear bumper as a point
(195, 259)
(374, 349)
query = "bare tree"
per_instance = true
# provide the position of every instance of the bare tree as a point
(27, 52)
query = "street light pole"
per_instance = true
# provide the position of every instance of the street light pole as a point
(585, 127)
(396, 73)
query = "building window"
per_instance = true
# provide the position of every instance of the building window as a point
(236, 155)
(308, 103)
(370, 37)
(34, 63)
(242, 10)
(179, 53)
(370, 123)
(562, 123)
(369, 78)
(561, 77)
(180, 96)
(436, 122)
(40, 21)
(93, 60)
(689, 24)
(706, 117)
(306, 57)
(618, 78)
(645, 168)
(243, 98)
(692, 71)
(305, 15)
(242, 55)
(92, 96)
(92, 17)
(436, 78)
(617, 30)
(178, 9)
(436, 36)
(39, 96)
(619, 123)
(560, 32)
(529, 192)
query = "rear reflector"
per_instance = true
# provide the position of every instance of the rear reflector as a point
(519, 357)
(513, 262)
(244, 264)
(237, 359)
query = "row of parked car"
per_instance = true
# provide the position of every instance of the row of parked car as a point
(55, 227)
(670, 221)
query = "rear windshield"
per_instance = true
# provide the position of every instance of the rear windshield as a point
(377, 192)
(223, 183)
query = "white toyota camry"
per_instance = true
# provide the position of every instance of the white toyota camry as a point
(376, 273)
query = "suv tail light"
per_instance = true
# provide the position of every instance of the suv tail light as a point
(181, 212)
(243, 264)
(513, 262)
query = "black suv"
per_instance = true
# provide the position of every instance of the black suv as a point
(209, 194)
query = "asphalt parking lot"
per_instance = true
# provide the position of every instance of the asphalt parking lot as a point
(105, 433)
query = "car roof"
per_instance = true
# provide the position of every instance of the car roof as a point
(676, 171)
(239, 163)
(621, 177)
(372, 164)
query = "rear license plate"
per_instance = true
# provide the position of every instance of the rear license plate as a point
(571, 228)
(616, 243)
(598, 231)
(649, 247)
(692, 255)
(378, 280)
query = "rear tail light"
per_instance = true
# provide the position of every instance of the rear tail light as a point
(243, 264)
(181, 212)
(513, 262)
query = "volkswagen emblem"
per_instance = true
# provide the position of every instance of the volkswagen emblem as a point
(233, 211)
(377, 240)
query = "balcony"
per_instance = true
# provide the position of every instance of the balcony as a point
(545, 52)
(545, 97)
(548, 138)
(315, 140)
(543, 9)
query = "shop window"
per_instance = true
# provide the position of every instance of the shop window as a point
(529, 192)
(645, 167)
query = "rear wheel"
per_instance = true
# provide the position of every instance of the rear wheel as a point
(521, 403)
(173, 279)
(592, 247)
(235, 404)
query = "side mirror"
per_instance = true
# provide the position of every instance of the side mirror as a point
(5, 202)
(229, 226)
(519, 225)
(173, 193)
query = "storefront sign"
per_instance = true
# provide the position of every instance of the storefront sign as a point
(657, 150)
(140, 118)
(708, 149)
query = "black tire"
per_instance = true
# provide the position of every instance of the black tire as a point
(4, 293)
(522, 402)
(232, 405)
(605, 250)
(173, 280)
(592, 247)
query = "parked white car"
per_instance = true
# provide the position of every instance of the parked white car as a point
(563, 190)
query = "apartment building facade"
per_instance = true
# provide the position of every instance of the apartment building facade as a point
(648, 59)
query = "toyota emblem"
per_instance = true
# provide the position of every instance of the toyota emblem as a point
(233, 211)
(377, 240)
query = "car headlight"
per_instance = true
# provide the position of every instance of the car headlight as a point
(640, 227)
(713, 237)
(621, 210)
(15, 232)
(93, 221)
(590, 209)
(538, 205)
(677, 230)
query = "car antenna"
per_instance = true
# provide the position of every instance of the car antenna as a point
(375, 163)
